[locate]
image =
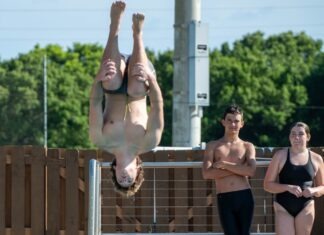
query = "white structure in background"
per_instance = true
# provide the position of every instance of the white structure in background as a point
(191, 73)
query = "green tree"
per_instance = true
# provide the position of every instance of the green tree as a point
(264, 76)
(69, 77)
(313, 113)
(164, 68)
(277, 80)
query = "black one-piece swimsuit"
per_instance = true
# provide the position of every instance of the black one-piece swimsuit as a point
(302, 176)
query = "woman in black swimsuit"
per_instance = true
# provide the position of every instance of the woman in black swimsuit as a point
(296, 176)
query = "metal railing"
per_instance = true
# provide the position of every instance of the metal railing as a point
(94, 215)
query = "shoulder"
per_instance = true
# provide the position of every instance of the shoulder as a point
(213, 144)
(318, 159)
(249, 150)
(280, 155)
(211, 148)
(248, 145)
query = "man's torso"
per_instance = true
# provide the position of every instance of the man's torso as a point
(234, 153)
(124, 123)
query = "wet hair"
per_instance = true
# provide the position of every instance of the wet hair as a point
(131, 190)
(301, 124)
(233, 109)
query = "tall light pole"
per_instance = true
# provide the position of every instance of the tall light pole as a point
(191, 73)
(45, 98)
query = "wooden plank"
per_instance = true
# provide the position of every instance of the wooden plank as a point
(128, 214)
(213, 220)
(200, 203)
(163, 212)
(269, 220)
(53, 192)
(181, 194)
(256, 183)
(111, 212)
(318, 227)
(72, 192)
(3, 154)
(38, 191)
(110, 208)
(144, 200)
(18, 191)
(27, 216)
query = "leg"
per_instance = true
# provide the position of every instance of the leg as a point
(229, 222)
(285, 223)
(305, 219)
(227, 215)
(112, 65)
(136, 84)
(245, 214)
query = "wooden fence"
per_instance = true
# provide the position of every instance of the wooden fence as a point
(45, 191)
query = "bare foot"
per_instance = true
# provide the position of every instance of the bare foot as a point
(138, 21)
(116, 12)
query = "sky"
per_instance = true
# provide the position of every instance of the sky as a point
(25, 23)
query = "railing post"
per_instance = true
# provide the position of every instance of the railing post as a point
(98, 197)
(93, 198)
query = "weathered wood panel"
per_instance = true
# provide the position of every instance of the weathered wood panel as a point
(53, 192)
(18, 190)
(46, 191)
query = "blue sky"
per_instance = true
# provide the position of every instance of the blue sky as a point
(25, 23)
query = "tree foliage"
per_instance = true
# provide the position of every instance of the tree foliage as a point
(277, 80)
(69, 75)
(267, 77)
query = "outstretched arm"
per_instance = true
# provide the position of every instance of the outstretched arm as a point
(155, 122)
(95, 113)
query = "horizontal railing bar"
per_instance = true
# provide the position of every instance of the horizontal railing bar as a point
(177, 164)
(200, 147)
(182, 233)
(159, 216)
(170, 148)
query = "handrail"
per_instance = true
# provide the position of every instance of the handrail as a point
(174, 164)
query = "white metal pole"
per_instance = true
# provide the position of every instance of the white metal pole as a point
(194, 14)
(186, 123)
(180, 110)
(92, 223)
(98, 196)
(45, 100)
(193, 10)
(195, 125)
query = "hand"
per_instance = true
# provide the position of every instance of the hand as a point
(110, 70)
(308, 192)
(296, 190)
(220, 165)
(143, 73)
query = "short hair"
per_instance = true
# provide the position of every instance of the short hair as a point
(131, 190)
(233, 109)
(301, 124)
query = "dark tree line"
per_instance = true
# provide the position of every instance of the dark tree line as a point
(277, 80)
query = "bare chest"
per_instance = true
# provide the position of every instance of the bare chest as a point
(124, 133)
(231, 154)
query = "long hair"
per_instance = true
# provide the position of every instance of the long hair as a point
(131, 190)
